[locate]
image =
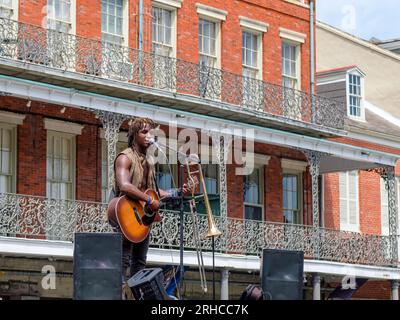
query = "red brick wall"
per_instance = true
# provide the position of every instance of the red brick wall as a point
(276, 13)
(31, 155)
(33, 12)
(31, 145)
(87, 178)
(273, 194)
(370, 202)
(331, 201)
(88, 19)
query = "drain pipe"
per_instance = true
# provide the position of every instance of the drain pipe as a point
(312, 61)
(141, 41)
(140, 25)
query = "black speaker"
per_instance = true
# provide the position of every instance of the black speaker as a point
(148, 284)
(282, 274)
(98, 266)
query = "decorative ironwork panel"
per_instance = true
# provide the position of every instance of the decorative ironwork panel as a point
(111, 124)
(42, 218)
(388, 175)
(33, 44)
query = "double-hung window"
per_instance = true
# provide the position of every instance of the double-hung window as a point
(209, 74)
(7, 157)
(251, 64)
(163, 45)
(291, 72)
(61, 27)
(292, 190)
(210, 20)
(60, 165)
(114, 34)
(290, 65)
(292, 200)
(253, 195)
(8, 150)
(355, 95)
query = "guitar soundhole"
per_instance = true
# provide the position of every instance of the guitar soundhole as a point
(148, 218)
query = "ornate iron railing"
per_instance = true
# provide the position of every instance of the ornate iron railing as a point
(43, 218)
(50, 48)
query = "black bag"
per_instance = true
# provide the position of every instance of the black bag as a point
(252, 292)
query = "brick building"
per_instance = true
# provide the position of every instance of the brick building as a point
(74, 74)
(361, 79)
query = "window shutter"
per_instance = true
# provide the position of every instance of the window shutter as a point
(384, 209)
(343, 197)
(353, 198)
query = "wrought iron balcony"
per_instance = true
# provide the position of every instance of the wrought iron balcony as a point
(43, 218)
(53, 49)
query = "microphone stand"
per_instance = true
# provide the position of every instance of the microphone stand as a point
(181, 217)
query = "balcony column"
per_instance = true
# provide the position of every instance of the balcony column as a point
(221, 145)
(316, 280)
(314, 158)
(224, 284)
(388, 175)
(111, 124)
(395, 289)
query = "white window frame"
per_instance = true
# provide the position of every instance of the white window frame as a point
(13, 128)
(125, 23)
(362, 107)
(384, 207)
(298, 63)
(217, 56)
(217, 16)
(13, 8)
(256, 28)
(297, 168)
(173, 10)
(296, 39)
(69, 129)
(299, 176)
(11, 120)
(72, 23)
(72, 137)
(260, 161)
(347, 226)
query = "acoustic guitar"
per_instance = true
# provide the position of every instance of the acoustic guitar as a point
(133, 217)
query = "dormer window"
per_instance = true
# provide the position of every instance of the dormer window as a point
(355, 93)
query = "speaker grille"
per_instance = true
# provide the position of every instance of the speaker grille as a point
(98, 266)
(282, 274)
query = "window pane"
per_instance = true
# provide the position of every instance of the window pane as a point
(252, 213)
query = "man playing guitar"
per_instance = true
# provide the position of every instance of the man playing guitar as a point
(133, 176)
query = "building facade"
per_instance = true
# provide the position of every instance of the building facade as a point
(74, 74)
(357, 200)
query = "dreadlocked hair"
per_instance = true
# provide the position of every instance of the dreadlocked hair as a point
(136, 125)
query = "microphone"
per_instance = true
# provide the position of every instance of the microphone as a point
(192, 157)
(152, 141)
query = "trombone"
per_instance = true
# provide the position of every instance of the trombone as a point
(213, 231)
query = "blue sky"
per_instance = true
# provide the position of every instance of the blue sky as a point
(363, 18)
